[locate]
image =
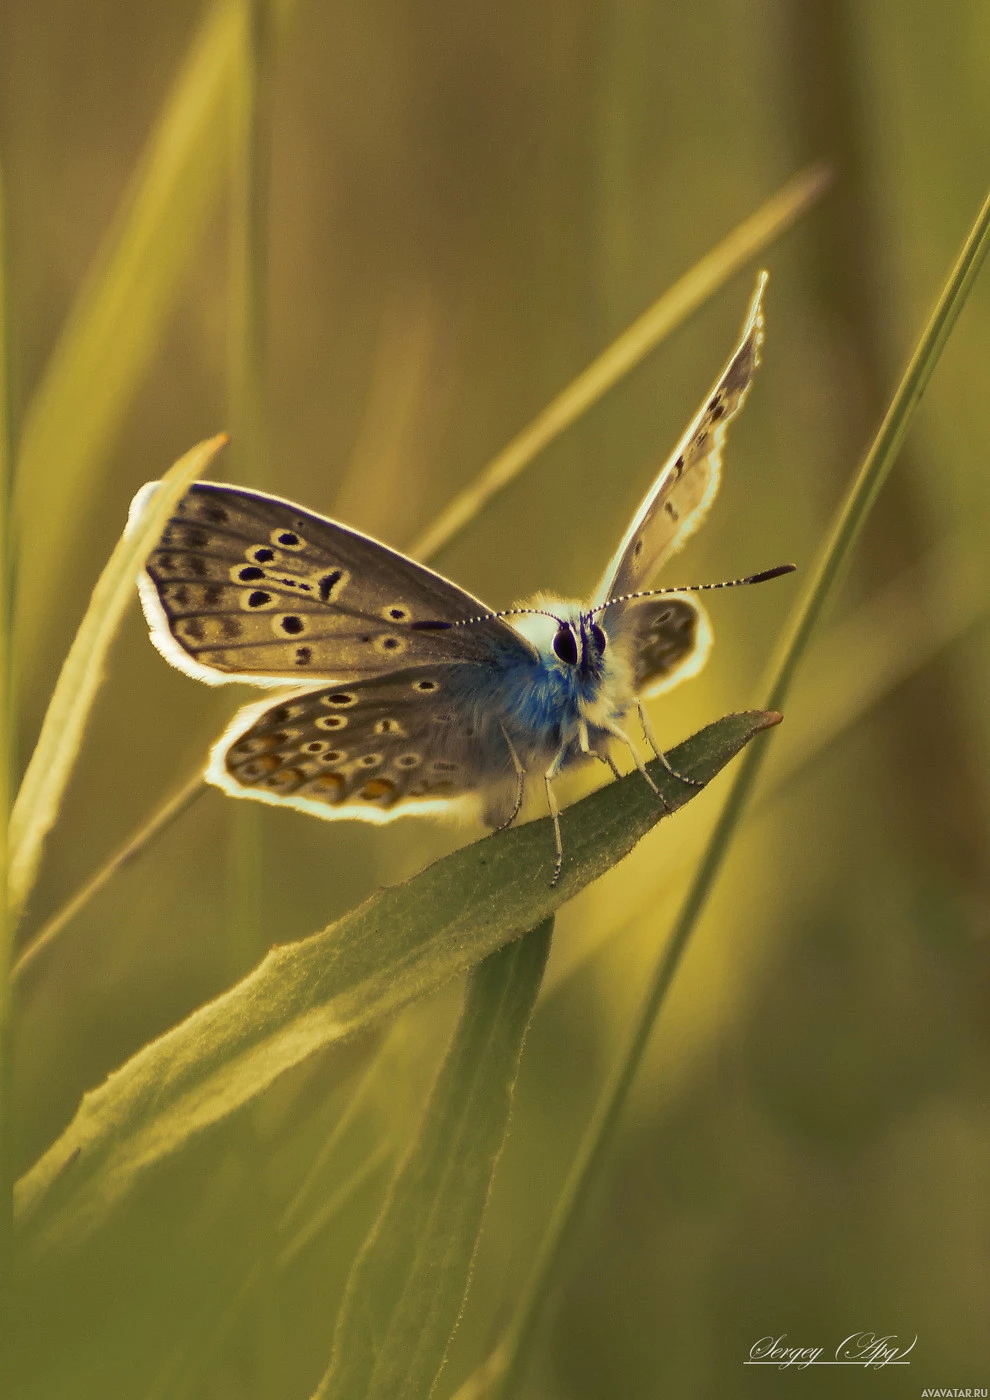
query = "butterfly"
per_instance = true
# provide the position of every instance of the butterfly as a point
(409, 696)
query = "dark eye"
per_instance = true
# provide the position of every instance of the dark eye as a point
(598, 637)
(565, 647)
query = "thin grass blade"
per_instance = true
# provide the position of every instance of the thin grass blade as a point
(40, 795)
(7, 731)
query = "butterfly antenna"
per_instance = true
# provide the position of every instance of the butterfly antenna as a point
(763, 577)
(438, 625)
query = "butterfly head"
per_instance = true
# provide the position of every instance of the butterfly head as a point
(568, 637)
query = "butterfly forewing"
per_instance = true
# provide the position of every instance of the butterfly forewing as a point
(406, 743)
(682, 493)
(247, 586)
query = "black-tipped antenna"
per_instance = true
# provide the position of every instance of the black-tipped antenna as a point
(440, 625)
(763, 577)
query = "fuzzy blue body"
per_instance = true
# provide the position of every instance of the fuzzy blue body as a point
(548, 712)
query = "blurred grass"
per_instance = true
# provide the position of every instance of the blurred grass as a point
(111, 333)
(496, 194)
(7, 731)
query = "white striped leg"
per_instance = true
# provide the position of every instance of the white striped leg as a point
(648, 732)
(520, 783)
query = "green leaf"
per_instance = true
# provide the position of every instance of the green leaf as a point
(401, 943)
(408, 1285)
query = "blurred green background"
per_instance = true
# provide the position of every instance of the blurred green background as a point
(467, 203)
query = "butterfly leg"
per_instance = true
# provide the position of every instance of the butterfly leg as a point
(548, 778)
(520, 783)
(625, 739)
(651, 740)
(585, 745)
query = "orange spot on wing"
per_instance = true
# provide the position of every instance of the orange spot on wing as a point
(377, 787)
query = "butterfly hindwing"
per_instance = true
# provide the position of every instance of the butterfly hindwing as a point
(681, 495)
(408, 743)
(668, 640)
(244, 585)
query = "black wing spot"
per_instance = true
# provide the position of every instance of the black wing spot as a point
(288, 539)
(250, 574)
(679, 466)
(425, 685)
(330, 722)
(291, 624)
(339, 697)
(264, 555)
(638, 548)
(259, 598)
(304, 656)
(671, 511)
(397, 614)
(215, 513)
(193, 627)
(328, 583)
(408, 760)
(178, 595)
(390, 644)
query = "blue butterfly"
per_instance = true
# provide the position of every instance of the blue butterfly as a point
(410, 696)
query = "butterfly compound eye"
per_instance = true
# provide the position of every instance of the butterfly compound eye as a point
(565, 646)
(598, 637)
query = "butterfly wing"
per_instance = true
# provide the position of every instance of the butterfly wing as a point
(412, 743)
(681, 495)
(244, 586)
(667, 640)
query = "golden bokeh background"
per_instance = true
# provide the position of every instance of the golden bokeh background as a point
(467, 202)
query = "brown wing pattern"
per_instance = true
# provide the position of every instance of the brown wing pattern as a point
(395, 745)
(246, 586)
